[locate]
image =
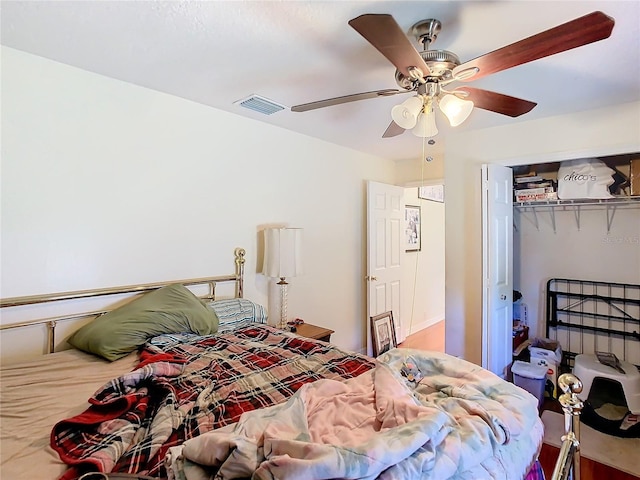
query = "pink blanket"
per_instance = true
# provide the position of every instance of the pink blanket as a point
(455, 420)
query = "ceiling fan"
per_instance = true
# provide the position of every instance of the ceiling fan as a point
(428, 72)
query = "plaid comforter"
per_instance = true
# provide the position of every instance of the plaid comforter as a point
(187, 385)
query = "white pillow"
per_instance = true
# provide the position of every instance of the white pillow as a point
(237, 312)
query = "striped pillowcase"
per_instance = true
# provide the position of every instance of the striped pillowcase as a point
(237, 312)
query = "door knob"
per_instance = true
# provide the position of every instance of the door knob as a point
(370, 278)
(503, 297)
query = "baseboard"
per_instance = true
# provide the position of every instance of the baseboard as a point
(416, 327)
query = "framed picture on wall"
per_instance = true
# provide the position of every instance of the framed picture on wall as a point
(412, 223)
(435, 193)
(383, 333)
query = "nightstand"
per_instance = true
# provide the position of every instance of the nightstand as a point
(312, 331)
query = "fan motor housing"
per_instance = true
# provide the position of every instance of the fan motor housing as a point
(440, 61)
(441, 64)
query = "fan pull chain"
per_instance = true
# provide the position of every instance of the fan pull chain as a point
(415, 273)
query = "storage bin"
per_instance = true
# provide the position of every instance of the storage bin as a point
(530, 377)
(547, 349)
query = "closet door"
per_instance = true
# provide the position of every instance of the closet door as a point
(497, 268)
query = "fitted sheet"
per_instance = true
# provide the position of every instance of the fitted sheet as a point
(36, 394)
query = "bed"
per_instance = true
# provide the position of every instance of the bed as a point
(587, 316)
(244, 398)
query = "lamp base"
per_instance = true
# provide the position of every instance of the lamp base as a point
(283, 303)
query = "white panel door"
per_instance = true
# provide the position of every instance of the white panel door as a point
(497, 268)
(385, 216)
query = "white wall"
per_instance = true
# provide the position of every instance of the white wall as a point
(605, 131)
(585, 253)
(423, 271)
(421, 171)
(105, 183)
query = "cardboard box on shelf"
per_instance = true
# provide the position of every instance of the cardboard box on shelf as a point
(526, 196)
(635, 176)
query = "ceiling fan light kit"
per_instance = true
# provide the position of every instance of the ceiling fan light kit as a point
(417, 113)
(426, 125)
(406, 114)
(426, 72)
(456, 109)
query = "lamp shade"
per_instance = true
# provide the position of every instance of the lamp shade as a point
(282, 252)
(406, 114)
(426, 126)
(456, 109)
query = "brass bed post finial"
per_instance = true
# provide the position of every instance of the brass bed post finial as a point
(239, 253)
(51, 336)
(572, 406)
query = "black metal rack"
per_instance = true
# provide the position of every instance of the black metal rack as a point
(588, 316)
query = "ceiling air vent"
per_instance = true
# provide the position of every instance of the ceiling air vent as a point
(260, 104)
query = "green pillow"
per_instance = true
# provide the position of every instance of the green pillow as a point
(170, 309)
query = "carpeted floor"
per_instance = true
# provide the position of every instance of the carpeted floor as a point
(620, 453)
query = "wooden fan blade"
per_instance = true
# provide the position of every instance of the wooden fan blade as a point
(497, 102)
(393, 130)
(576, 33)
(383, 32)
(345, 99)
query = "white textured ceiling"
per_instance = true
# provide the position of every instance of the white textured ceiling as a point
(293, 52)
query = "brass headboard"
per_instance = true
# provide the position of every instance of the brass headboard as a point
(237, 277)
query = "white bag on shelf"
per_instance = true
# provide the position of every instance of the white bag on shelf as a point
(584, 178)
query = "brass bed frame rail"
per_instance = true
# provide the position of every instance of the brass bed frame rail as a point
(568, 463)
(51, 322)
